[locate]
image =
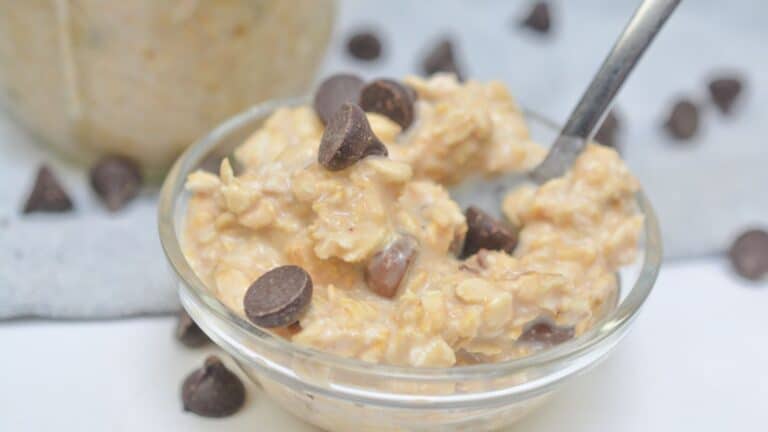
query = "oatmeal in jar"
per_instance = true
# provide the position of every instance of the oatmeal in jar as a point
(340, 233)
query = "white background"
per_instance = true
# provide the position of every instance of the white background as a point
(696, 360)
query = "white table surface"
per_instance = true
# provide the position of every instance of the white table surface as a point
(696, 360)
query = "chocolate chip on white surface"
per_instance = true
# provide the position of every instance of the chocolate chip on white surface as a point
(683, 120)
(188, 332)
(116, 180)
(724, 92)
(442, 58)
(364, 45)
(213, 390)
(749, 254)
(538, 19)
(47, 194)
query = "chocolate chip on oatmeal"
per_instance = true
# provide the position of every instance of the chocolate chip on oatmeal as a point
(608, 131)
(538, 18)
(365, 45)
(213, 390)
(543, 330)
(683, 120)
(441, 58)
(387, 268)
(47, 194)
(278, 297)
(749, 254)
(391, 99)
(347, 139)
(724, 92)
(116, 180)
(334, 92)
(486, 232)
(188, 332)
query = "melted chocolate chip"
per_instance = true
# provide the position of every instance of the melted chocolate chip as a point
(391, 99)
(278, 297)
(683, 120)
(365, 45)
(116, 180)
(47, 194)
(213, 390)
(544, 331)
(334, 92)
(486, 232)
(188, 332)
(387, 268)
(347, 139)
(749, 254)
(724, 92)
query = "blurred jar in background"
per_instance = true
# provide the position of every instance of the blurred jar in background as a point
(145, 78)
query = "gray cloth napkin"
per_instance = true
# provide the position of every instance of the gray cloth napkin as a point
(91, 264)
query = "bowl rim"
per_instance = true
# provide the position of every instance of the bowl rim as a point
(173, 188)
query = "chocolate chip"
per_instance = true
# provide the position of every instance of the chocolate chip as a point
(486, 232)
(441, 58)
(213, 390)
(347, 139)
(387, 268)
(116, 180)
(47, 194)
(749, 254)
(391, 99)
(608, 131)
(364, 46)
(278, 297)
(538, 18)
(188, 332)
(683, 120)
(544, 331)
(724, 92)
(334, 92)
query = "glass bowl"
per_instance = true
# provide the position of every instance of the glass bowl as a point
(342, 394)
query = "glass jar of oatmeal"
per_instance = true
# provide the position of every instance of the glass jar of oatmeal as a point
(144, 78)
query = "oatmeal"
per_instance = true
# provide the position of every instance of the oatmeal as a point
(396, 271)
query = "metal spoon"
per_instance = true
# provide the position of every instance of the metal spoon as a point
(580, 127)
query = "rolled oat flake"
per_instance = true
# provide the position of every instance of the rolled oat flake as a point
(213, 390)
(347, 139)
(749, 254)
(278, 297)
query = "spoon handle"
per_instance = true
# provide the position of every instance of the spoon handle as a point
(637, 35)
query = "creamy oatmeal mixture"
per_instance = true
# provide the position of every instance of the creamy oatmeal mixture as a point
(286, 208)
